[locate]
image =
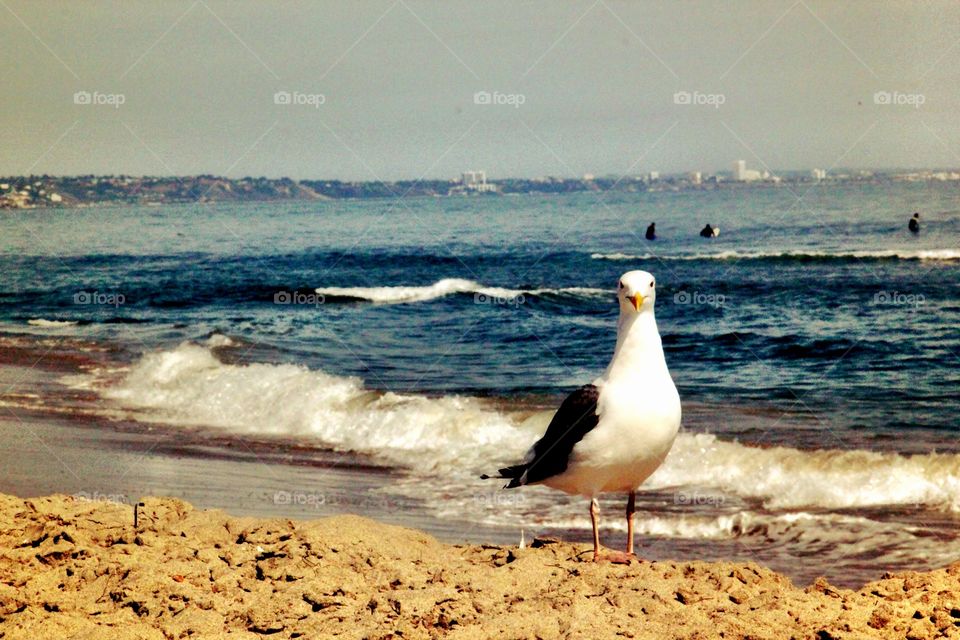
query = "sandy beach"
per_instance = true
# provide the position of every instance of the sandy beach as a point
(76, 568)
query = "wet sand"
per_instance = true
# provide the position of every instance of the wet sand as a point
(90, 458)
(78, 568)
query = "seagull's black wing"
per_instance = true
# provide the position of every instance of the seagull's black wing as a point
(551, 453)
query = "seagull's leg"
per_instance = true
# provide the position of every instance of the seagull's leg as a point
(618, 557)
(631, 509)
(595, 519)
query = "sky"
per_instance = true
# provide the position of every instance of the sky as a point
(402, 89)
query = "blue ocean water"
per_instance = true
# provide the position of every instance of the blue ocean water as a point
(814, 342)
(855, 330)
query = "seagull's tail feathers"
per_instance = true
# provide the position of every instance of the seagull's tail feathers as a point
(517, 475)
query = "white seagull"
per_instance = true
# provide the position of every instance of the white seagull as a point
(611, 435)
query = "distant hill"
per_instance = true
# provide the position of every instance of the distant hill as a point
(25, 192)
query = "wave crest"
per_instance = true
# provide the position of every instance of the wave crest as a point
(43, 322)
(945, 255)
(787, 478)
(190, 386)
(446, 287)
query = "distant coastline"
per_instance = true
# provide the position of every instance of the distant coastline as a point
(30, 192)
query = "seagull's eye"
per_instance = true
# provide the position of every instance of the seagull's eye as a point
(651, 283)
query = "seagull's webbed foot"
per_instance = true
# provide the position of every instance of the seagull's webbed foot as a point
(602, 554)
(615, 557)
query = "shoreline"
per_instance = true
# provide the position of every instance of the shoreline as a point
(70, 567)
(60, 440)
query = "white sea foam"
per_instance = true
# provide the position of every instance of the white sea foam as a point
(461, 437)
(841, 536)
(620, 256)
(446, 287)
(190, 386)
(219, 340)
(43, 322)
(719, 527)
(902, 254)
(784, 477)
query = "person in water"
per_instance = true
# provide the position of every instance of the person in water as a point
(707, 232)
(652, 231)
(914, 224)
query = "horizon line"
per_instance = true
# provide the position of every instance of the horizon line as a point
(583, 176)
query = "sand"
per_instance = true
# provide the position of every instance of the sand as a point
(73, 568)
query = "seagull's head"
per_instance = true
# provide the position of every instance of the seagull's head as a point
(636, 292)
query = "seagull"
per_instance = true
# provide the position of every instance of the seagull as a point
(612, 434)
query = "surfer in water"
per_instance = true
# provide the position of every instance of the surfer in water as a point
(914, 224)
(652, 231)
(709, 232)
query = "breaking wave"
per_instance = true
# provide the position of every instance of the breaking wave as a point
(446, 287)
(945, 255)
(461, 437)
(43, 322)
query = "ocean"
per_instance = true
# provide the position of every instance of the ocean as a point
(418, 343)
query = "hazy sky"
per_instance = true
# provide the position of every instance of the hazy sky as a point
(585, 86)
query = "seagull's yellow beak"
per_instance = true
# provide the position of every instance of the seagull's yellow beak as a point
(637, 300)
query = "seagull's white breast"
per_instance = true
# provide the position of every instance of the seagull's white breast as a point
(638, 424)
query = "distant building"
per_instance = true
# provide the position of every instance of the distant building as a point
(587, 177)
(653, 176)
(740, 170)
(471, 178)
(944, 175)
(742, 174)
(476, 181)
(818, 174)
(695, 177)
